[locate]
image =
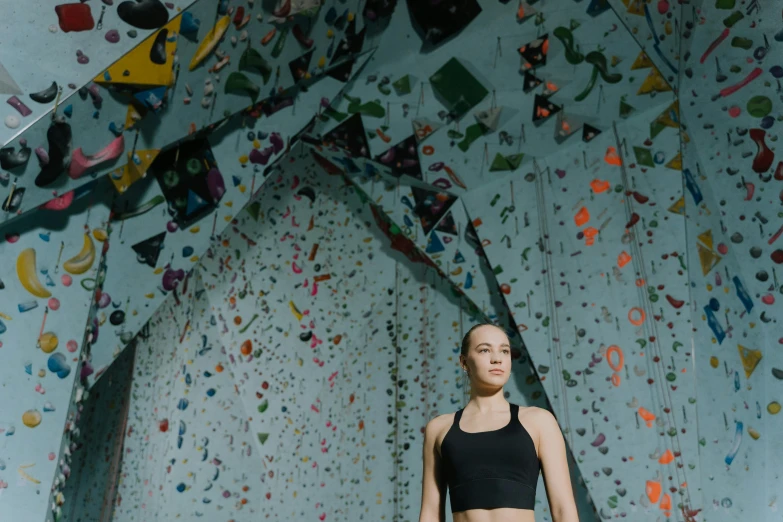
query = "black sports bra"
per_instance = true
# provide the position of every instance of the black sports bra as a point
(490, 469)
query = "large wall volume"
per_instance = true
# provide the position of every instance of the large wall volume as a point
(600, 178)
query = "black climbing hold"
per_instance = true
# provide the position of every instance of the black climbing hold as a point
(46, 95)
(117, 317)
(158, 50)
(59, 138)
(143, 14)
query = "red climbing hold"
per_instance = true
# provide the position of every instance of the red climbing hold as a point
(74, 17)
(676, 303)
(764, 156)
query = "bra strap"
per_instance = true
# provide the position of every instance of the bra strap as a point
(458, 416)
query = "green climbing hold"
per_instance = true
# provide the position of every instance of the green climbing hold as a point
(403, 85)
(506, 163)
(252, 59)
(457, 88)
(742, 43)
(759, 106)
(644, 156)
(238, 83)
(472, 133)
(253, 209)
(262, 437)
(625, 109)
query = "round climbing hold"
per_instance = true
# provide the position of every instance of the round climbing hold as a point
(193, 166)
(428, 150)
(170, 178)
(767, 122)
(251, 135)
(759, 106)
(12, 121)
(117, 317)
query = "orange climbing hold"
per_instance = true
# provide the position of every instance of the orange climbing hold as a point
(667, 457)
(599, 186)
(590, 233)
(615, 350)
(612, 158)
(653, 491)
(247, 347)
(666, 503)
(623, 259)
(638, 320)
(384, 137)
(582, 217)
(647, 416)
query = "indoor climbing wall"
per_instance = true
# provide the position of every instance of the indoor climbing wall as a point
(46, 293)
(98, 453)
(331, 438)
(599, 178)
(97, 103)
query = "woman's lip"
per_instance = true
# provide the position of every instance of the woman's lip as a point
(494, 371)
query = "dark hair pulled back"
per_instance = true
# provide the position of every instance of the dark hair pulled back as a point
(465, 348)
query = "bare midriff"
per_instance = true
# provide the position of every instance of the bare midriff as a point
(495, 515)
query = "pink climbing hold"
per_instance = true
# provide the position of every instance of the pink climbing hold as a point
(663, 6)
(80, 162)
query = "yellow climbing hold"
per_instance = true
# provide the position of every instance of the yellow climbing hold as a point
(295, 311)
(48, 342)
(31, 418)
(330, 33)
(158, 271)
(256, 144)
(195, 230)
(99, 234)
(351, 16)
(322, 62)
(773, 407)
(753, 433)
(149, 296)
(714, 361)
(193, 259)
(242, 189)
(243, 159)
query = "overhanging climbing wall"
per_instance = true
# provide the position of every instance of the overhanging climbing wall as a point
(598, 177)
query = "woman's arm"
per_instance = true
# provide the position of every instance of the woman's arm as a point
(554, 464)
(433, 491)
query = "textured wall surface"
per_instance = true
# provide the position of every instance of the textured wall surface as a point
(318, 198)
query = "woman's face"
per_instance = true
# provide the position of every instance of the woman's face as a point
(489, 356)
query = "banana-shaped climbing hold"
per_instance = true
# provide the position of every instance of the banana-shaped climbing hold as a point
(209, 42)
(28, 274)
(82, 261)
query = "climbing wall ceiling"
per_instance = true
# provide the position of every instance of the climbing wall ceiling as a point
(599, 177)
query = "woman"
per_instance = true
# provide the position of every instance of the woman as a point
(489, 453)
